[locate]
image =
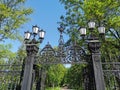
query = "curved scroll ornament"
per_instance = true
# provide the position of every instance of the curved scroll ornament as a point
(75, 54)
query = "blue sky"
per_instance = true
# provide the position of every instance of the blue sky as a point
(46, 15)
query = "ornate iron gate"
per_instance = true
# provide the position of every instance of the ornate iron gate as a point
(70, 54)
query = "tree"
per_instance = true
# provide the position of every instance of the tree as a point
(75, 76)
(106, 12)
(21, 53)
(5, 53)
(10, 62)
(79, 12)
(12, 16)
(55, 75)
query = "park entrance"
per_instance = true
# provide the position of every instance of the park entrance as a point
(97, 74)
(11, 75)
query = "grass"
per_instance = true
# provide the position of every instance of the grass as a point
(55, 88)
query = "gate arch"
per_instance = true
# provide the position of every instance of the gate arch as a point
(69, 55)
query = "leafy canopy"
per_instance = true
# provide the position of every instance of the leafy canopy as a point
(103, 12)
(12, 16)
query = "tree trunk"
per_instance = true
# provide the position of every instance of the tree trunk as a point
(53, 86)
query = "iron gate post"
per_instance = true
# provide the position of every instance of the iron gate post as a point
(32, 50)
(94, 46)
(27, 77)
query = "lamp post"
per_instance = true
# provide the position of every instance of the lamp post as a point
(94, 45)
(32, 50)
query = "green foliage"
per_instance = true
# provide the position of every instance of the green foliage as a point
(12, 16)
(75, 76)
(110, 50)
(9, 79)
(9, 59)
(55, 75)
(106, 12)
(21, 54)
(5, 52)
(79, 12)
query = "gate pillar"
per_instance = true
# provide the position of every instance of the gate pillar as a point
(94, 46)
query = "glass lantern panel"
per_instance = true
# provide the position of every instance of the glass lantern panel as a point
(35, 29)
(27, 35)
(91, 24)
(83, 31)
(41, 34)
(101, 30)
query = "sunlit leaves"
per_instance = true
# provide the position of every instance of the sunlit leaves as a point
(75, 76)
(13, 14)
(103, 12)
(55, 74)
(5, 53)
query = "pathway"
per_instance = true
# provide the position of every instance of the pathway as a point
(65, 88)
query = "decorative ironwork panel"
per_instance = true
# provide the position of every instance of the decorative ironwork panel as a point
(47, 55)
(75, 54)
(10, 77)
(63, 55)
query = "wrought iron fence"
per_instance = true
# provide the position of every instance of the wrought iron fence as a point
(111, 70)
(10, 76)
